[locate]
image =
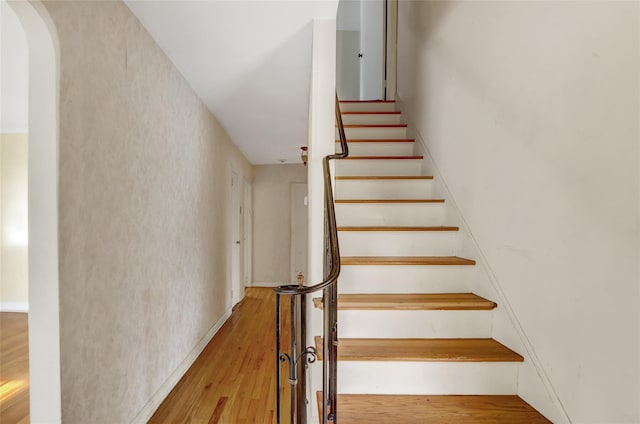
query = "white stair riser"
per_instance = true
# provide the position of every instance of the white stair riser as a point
(367, 107)
(370, 167)
(398, 243)
(437, 378)
(414, 324)
(379, 149)
(384, 189)
(429, 378)
(373, 118)
(374, 133)
(406, 279)
(409, 214)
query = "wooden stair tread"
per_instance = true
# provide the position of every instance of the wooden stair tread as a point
(415, 301)
(381, 158)
(405, 260)
(422, 350)
(392, 112)
(389, 201)
(441, 409)
(374, 125)
(367, 101)
(380, 140)
(392, 228)
(385, 177)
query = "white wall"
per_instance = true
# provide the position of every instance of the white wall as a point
(530, 111)
(321, 143)
(14, 62)
(14, 243)
(272, 222)
(143, 189)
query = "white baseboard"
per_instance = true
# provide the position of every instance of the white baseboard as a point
(267, 284)
(14, 306)
(147, 411)
(14, 130)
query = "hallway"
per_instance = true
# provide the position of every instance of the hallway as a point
(233, 380)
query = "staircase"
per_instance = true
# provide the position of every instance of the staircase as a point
(415, 342)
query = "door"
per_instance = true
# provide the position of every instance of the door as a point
(237, 291)
(348, 50)
(298, 231)
(366, 40)
(372, 49)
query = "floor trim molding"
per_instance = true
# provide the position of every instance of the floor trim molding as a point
(148, 410)
(14, 306)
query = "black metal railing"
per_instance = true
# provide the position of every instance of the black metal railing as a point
(300, 355)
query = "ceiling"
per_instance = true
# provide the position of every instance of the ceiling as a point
(249, 61)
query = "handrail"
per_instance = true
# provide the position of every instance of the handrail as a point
(331, 218)
(298, 350)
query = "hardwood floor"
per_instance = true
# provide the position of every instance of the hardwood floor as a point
(233, 380)
(14, 368)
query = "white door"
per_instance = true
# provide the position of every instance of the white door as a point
(237, 292)
(372, 34)
(348, 50)
(299, 230)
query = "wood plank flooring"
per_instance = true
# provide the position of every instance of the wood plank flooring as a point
(233, 380)
(14, 368)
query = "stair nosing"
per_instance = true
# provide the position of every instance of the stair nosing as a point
(389, 201)
(379, 408)
(506, 354)
(407, 260)
(383, 158)
(367, 101)
(386, 302)
(384, 177)
(380, 140)
(374, 125)
(382, 112)
(398, 229)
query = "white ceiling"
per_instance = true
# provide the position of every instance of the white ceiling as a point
(14, 72)
(249, 61)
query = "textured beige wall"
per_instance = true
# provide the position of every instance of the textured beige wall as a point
(530, 111)
(272, 220)
(144, 221)
(14, 283)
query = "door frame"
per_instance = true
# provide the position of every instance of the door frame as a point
(294, 244)
(390, 49)
(45, 390)
(235, 238)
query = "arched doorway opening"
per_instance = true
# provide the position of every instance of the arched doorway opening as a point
(44, 313)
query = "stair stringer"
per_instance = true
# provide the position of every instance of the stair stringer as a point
(506, 327)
